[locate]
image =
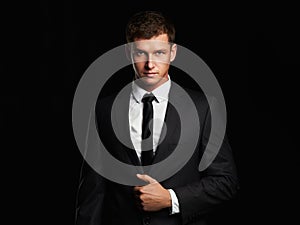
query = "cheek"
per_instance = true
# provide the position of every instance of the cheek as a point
(139, 65)
(163, 67)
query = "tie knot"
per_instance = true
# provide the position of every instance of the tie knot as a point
(148, 98)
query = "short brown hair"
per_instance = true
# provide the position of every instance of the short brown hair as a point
(148, 24)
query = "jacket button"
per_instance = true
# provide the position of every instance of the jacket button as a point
(146, 220)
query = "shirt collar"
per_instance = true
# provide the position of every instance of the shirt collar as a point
(161, 93)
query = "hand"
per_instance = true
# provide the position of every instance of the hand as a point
(153, 196)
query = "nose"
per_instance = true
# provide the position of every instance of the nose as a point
(149, 64)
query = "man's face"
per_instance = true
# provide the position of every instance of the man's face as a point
(151, 60)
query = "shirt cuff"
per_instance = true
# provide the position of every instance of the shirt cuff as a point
(175, 203)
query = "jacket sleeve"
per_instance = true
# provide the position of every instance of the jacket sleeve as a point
(218, 182)
(90, 195)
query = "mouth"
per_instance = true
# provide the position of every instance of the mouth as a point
(150, 74)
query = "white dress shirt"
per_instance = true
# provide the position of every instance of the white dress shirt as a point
(159, 111)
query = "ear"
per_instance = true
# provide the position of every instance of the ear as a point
(173, 52)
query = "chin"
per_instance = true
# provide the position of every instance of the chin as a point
(148, 80)
(149, 84)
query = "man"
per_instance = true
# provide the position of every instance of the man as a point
(153, 126)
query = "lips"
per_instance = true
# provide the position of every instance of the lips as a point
(150, 74)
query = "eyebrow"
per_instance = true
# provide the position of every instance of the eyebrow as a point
(157, 50)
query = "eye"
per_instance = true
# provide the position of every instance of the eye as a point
(160, 53)
(140, 53)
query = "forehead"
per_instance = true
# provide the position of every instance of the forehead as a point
(155, 43)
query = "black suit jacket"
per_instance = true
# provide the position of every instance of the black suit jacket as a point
(101, 201)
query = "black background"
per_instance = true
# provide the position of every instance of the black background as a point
(253, 51)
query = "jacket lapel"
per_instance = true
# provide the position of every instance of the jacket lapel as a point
(120, 122)
(171, 128)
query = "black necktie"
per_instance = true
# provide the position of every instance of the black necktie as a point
(147, 130)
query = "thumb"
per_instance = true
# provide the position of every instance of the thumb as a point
(146, 178)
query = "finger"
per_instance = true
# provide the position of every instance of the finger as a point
(137, 188)
(146, 178)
